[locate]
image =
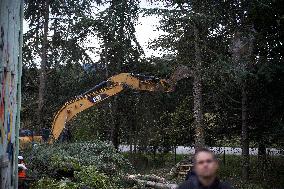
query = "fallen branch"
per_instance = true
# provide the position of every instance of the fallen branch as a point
(148, 177)
(152, 181)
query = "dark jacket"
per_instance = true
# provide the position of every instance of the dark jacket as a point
(193, 183)
(189, 175)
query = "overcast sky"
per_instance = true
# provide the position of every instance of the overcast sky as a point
(145, 31)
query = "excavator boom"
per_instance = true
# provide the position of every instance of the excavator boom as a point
(111, 87)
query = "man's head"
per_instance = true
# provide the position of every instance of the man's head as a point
(205, 163)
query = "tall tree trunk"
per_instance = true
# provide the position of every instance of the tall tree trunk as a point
(262, 159)
(245, 136)
(115, 123)
(115, 136)
(42, 71)
(197, 95)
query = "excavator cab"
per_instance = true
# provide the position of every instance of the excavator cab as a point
(28, 138)
(26, 132)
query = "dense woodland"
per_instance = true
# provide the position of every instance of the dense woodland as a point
(234, 96)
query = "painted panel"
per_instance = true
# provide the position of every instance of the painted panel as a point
(10, 64)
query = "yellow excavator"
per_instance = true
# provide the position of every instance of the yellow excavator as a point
(104, 90)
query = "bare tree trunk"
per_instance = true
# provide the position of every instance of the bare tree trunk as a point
(197, 95)
(261, 150)
(262, 159)
(132, 129)
(42, 71)
(242, 56)
(115, 135)
(112, 107)
(115, 124)
(130, 146)
(245, 137)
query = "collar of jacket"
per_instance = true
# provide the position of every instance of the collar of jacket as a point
(214, 185)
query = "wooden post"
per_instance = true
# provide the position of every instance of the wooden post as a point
(11, 17)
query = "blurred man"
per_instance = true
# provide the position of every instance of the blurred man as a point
(205, 172)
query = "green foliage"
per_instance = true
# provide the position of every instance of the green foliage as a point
(90, 177)
(262, 177)
(120, 46)
(94, 123)
(69, 24)
(91, 164)
(87, 177)
(49, 183)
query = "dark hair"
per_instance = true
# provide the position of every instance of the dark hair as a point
(206, 150)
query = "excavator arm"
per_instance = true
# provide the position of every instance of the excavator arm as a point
(111, 87)
(73, 107)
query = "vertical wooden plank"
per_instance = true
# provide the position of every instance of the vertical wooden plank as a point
(2, 15)
(1, 72)
(5, 174)
(1, 38)
(4, 31)
(13, 64)
(18, 100)
(11, 16)
(7, 73)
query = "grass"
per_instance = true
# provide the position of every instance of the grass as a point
(262, 176)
